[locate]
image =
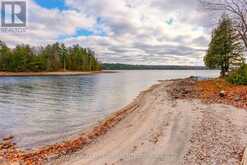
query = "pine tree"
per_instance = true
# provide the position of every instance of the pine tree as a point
(225, 49)
(53, 57)
(63, 53)
(5, 54)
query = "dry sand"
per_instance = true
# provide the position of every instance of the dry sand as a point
(165, 131)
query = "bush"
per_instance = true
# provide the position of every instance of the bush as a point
(238, 77)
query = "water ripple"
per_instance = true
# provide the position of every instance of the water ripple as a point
(42, 110)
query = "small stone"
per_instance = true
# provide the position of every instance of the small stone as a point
(237, 98)
(222, 93)
(8, 138)
(6, 146)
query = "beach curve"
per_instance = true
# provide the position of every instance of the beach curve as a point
(155, 129)
(162, 130)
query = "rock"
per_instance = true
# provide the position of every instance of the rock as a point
(222, 93)
(8, 138)
(6, 146)
(194, 78)
(184, 92)
(237, 98)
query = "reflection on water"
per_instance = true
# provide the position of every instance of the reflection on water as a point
(42, 110)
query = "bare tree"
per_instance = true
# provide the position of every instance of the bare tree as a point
(236, 10)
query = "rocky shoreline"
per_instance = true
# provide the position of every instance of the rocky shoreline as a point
(210, 91)
(214, 133)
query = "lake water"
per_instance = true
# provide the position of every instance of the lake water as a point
(42, 110)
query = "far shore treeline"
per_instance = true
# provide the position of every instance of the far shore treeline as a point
(53, 57)
(119, 66)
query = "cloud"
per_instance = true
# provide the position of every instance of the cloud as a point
(47, 25)
(128, 31)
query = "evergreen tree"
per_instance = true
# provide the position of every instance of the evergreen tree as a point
(225, 49)
(53, 57)
(63, 53)
(5, 54)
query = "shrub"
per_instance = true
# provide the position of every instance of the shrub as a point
(238, 77)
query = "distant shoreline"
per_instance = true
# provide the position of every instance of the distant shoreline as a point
(119, 66)
(40, 74)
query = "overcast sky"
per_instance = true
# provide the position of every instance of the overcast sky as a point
(125, 31)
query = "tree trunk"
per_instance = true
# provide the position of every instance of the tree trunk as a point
(223, 70)
(222, 73)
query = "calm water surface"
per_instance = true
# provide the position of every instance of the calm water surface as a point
(42, 110)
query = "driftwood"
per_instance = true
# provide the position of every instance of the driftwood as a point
(244, 159)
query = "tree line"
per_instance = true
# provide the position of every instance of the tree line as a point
(119, 66)
(53, 57)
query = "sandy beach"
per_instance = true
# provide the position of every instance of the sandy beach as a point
(162, 130)
(161, 126)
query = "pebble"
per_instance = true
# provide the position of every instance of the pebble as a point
(237, 98)
(8, 138)
(222, 93)
(214, 141)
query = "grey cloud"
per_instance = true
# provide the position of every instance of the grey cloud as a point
(136, 31)
(200, 41)
(168, 49)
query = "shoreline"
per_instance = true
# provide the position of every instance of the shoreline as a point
(73, 144)
(156, 123)
(166, 130)
(44, 74)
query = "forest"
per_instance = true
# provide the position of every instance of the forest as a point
(50, 58)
